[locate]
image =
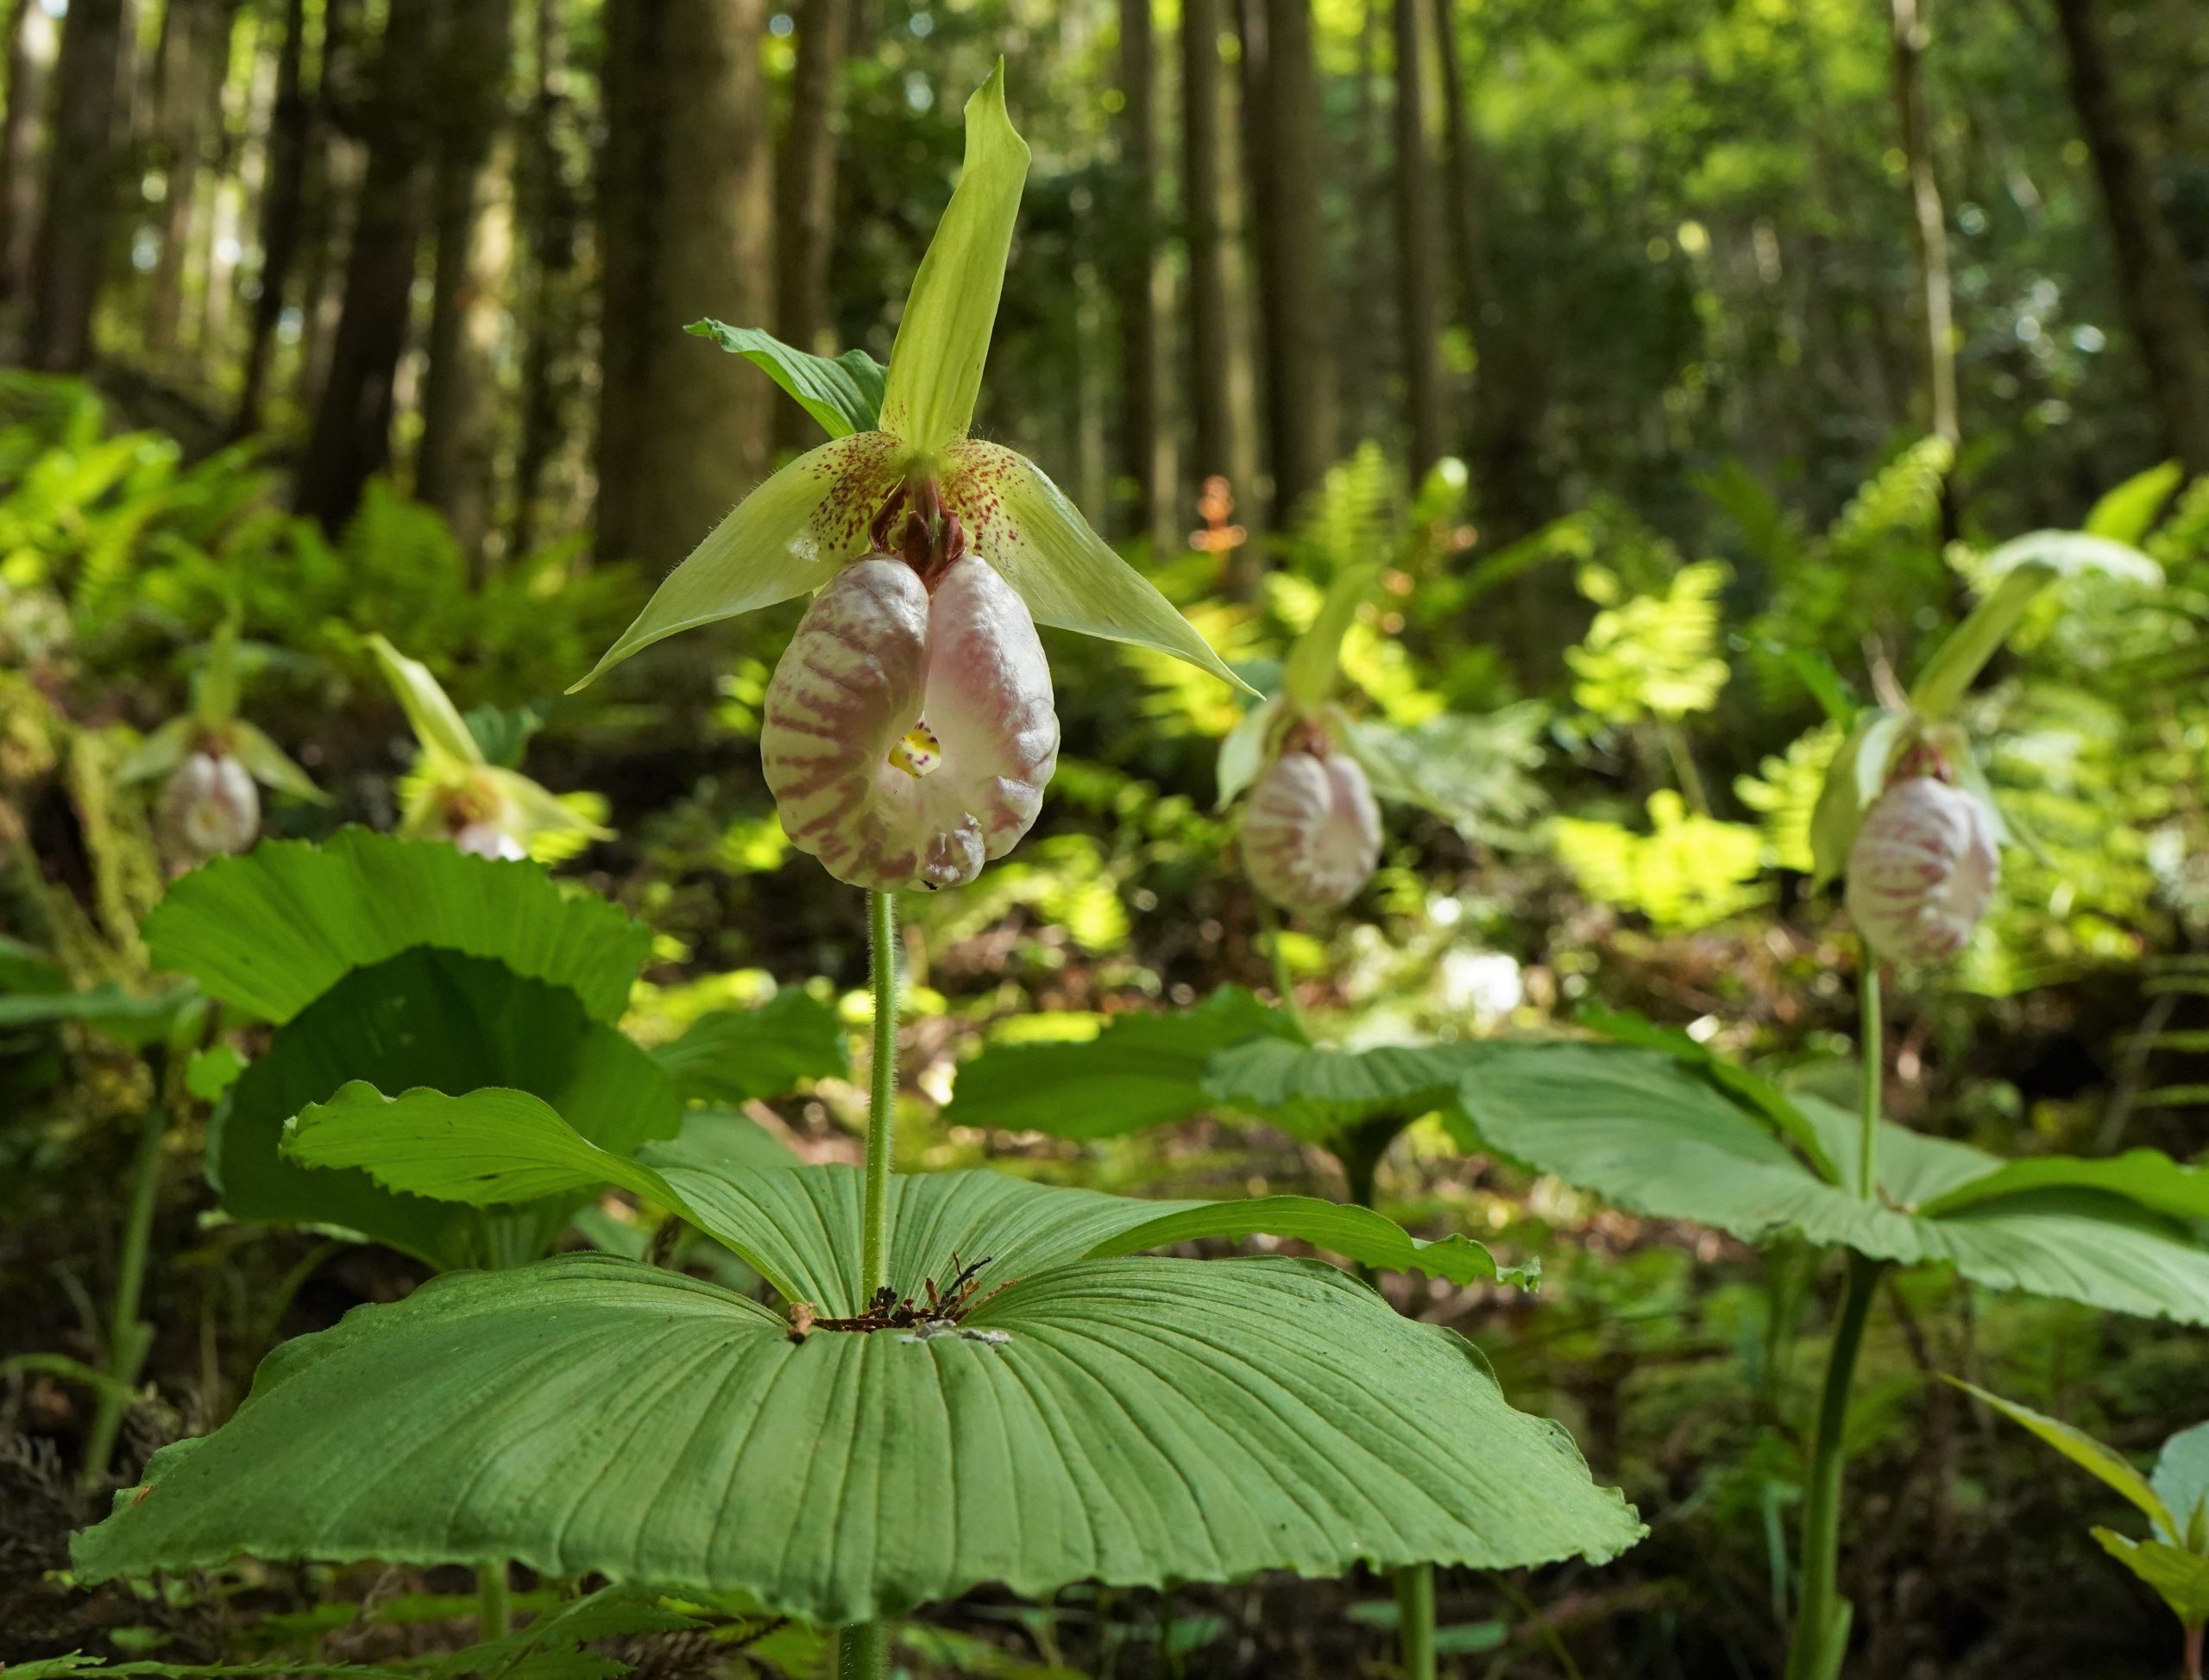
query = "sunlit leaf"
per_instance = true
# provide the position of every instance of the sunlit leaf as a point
(943, 337)
(1023, 524)
(2127, 514)
(272, 930)
(844, 394)
(2180, 1578)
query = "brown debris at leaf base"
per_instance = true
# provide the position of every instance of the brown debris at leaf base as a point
(942, 1306)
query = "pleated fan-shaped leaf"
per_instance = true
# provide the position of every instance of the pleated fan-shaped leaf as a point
(443, 1020)
(272, 930)
(1640, 1129)
(492, 1146)
(1129, 1421)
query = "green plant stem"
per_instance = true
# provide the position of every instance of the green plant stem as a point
(1415, 1619)
(1821, 1617)
(1675, 747)
(863, 1652)
(492, 1615)
(127, 1338)
(1284, 983)
(882, 1100)
(1872, 1031)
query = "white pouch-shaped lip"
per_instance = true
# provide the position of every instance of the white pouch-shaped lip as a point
(210, 806)
(1313, 833)
(1923, 870)
(908, 737)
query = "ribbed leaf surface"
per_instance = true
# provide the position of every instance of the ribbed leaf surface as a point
(271, 931)
(1140, 1421)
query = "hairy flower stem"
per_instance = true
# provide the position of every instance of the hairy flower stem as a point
(1872, 1033)
(1821, 1619)
(2193, 1651)
(1269, 929)
(493, 1618)
(127, 1338)
(1823, 1616)
(1415, 1621)
(882, 1101)
(863, 1652)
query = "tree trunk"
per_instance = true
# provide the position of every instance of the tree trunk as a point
(352, 439)
(330, 182)
(1929, 226)
(30, 57)
(1282, 78)
(1142, 470)
(69, 263)
(192, 63)
(2159, 305)
(685, 224)
(805, 186)
(1505, 431)
(290, 123)
(550, 210)
(471, 223)
(1416, 268)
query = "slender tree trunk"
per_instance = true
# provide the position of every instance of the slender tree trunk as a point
(453, 464)
(1365, 408)
(29, 36)
(551, 214)
(2159, 305)
(805, 186)
(1282, 78)
(69, 264)
(352, 439)
(1416, 281)
(290, 123)
(685, 224)
(1222, 403)
(1929, 225)
(1505, 427)
(193, 64)
(335, 164)
(1141, 473)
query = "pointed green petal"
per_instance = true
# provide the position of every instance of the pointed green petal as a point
(436, 720)
(844, 395)
(1023, 524)
(271, 766)
(936, 367)
(786, 538)
(1309, 675)
(162, 751)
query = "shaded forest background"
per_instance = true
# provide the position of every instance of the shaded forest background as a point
(1597, 249)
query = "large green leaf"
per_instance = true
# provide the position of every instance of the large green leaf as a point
(1640, 1129)
(271, 931)
(1143, 1069)
(786, 538)
(943, 337)
(1130, 1421)
(844, 394)
(793, 1227)
(738, 1055)
(1069, 576)
(444, 1022)
(1320, 1093)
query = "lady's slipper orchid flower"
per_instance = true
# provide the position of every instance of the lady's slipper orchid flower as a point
(456, 793)
(909, 730)
(1923, 870)
(211, 758)
(1311, 835)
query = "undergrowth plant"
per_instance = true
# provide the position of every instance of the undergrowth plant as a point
(967, 1378)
